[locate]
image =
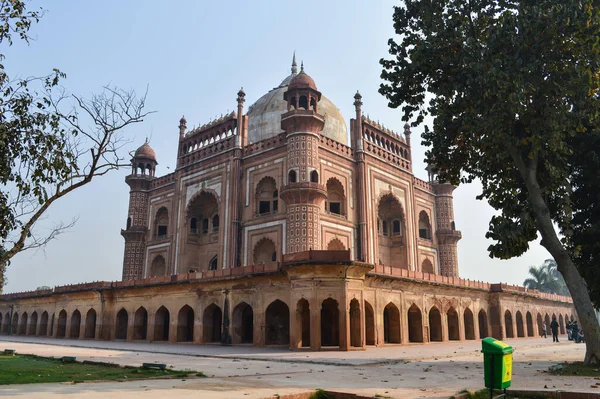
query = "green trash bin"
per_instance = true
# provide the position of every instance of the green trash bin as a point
(497, 363)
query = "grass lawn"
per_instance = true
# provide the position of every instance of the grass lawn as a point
(24, 369)
(576, 369)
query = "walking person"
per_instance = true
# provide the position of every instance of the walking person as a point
(543, 334)
(554, 329)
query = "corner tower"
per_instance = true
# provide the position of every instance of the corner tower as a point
(446, 232)
(303, 193)
(143, 169)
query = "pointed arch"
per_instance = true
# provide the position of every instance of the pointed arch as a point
(469, 324)
(158, 266)
(266, 196)
(520, 324)
(61, 328)
(335, 245)
(508, 324)
(330, 327)
(33, 322)
(43, 329)
(185, 324)
(415, 324)
(242, 324)
(561, 324)
(453, 324)
(121, 324)
(265, 251)
(212, 319)
(75, 324)
(391, 324)
(140, 324)
(336, 197)
(90, 324)
(427, 267)
(161, 222)
(435, 325)
(392, 250)
(529, 320)
(23, 324)
(355, 325)
(162, 322)
(424, 226)
(277, 323)
(483, 324)
(303, 322)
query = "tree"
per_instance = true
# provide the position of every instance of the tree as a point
(584, 242)
(546, 278)
(508, 84)
(51, 143)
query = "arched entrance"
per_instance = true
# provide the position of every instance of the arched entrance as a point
(391, 324)
(61, 328)
(520, 326)
(483, 324)
(243, 324)
(335, 245)
(508, 324)
(277, 324)
(453, 327)
(547, 320)
(265, 252)
(204, 223)
(90, 324)
(162, 320)
(539, 321)
(140, 324)
(561, 324)
(75, 324)
(355, 328)
(33, 324)
(43, 330)
(23, 325)
(185, 324)
(495, 322)
(469, 324)
(529, 321)
(14, 328)
(212, 320)
(415, 324)
(391, 227)
(369, 324)
(330, 315)
(121, 325)
(303, 317)
(435, 325)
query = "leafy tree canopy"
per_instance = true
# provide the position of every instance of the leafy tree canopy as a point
(509, 85)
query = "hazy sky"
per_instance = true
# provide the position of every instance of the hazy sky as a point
(194, 56)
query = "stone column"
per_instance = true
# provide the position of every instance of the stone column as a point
(315, 326)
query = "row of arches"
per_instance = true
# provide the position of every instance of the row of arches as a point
(161, 325)
(46, 325)
(211, 139)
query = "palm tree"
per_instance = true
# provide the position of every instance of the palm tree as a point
(546, 278)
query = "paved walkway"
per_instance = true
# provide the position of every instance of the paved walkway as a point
(410, 371)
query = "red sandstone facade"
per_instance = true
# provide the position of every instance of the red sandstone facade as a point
(274, 231)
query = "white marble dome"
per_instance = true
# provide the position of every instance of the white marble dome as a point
(264, 116)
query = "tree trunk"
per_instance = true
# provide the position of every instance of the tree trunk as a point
(576, 284)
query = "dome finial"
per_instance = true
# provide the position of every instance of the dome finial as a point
(301, 66)
(294, 65)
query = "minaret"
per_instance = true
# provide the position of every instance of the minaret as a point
(303, 192)
(359, 157)
(447, 235)
(233, 251)
(143, 172)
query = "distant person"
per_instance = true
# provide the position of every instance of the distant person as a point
(569, 330)
(544, 330)
(554, 329)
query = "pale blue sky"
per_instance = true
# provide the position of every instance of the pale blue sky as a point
(195, 56)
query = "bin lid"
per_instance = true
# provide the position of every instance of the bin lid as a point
(495, 347)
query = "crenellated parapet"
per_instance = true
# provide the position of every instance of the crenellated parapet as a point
(385, 144)
(208, 138)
